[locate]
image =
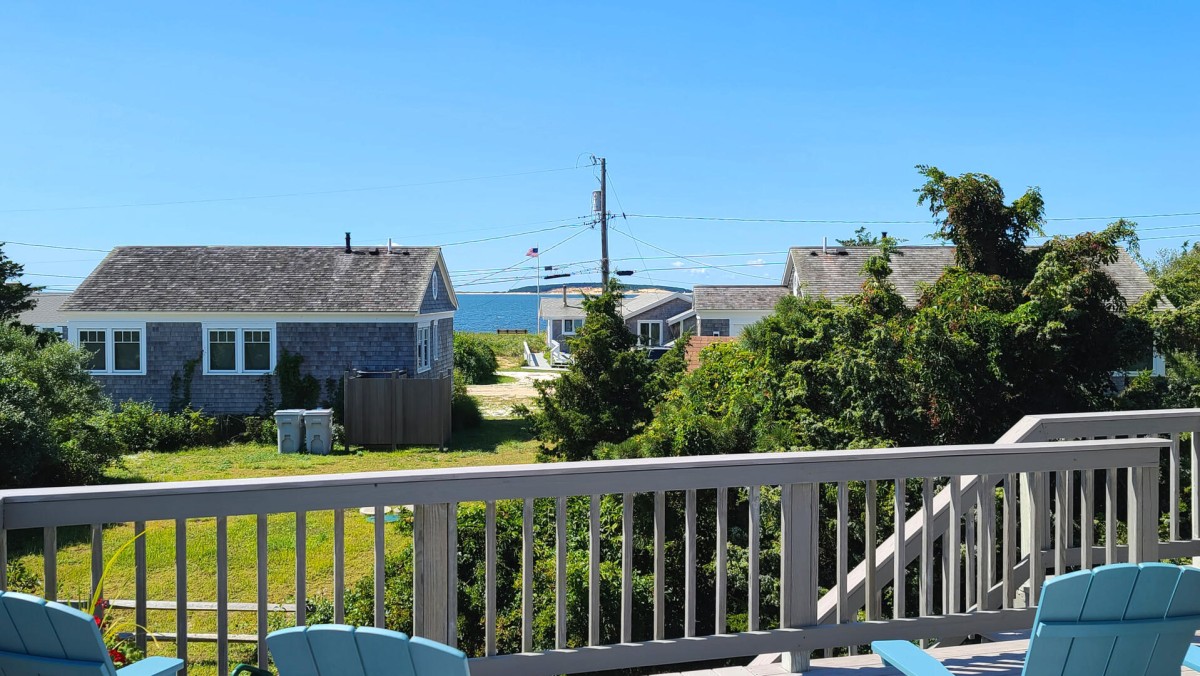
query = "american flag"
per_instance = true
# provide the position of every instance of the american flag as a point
(532, 252)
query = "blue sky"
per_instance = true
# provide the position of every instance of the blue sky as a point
(765, 110)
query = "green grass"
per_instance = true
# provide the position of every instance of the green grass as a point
(496, 442)
(509, 347)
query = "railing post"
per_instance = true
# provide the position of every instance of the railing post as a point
(798, 569)
(3, 551)
(435, 559)
(1035, 537)
(1143, 514)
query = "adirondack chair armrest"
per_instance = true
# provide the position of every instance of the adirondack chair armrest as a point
(1192, 659)
(247, 669)
(152, 666)
(908, 659)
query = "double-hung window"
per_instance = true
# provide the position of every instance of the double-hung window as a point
(422, 348)
(233, 349)
(115, 350)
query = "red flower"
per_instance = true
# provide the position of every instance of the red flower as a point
(117, 657)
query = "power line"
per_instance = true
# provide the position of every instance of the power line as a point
(686, 258)
(43, 274)
(54, 246)
(289, 194)
(820, 221)
(524, 258)
(515, 234)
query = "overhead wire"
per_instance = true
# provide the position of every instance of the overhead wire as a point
(525, 258)
(288, 194)
(686, 258)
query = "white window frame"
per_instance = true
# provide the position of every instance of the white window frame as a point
(239, 329)
(424, 363)
(433, 341)
(576, 324)
(109, 355)
(642, 322)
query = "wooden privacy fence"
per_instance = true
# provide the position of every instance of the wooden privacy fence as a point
(395, 410)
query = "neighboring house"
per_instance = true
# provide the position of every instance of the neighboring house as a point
(726, 310)
(46, 315)
(836, 272)
(647, 315)
(696, 345)
(147, 313)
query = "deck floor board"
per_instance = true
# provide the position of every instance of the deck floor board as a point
(990, 659)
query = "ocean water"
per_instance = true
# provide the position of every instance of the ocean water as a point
(486, 312)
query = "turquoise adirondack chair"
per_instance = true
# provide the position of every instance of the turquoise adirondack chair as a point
(337, 649)
(43, 638)
(1118, 620)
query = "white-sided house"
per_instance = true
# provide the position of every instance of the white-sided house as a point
(726, 310)
(220, 317)
(647, 315)
(46, 313)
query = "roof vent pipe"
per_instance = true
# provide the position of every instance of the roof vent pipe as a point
(824, 244)
(389, 245)
(348, 243)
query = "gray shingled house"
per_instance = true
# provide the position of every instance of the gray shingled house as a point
(46, 313)
(654, 317)
(147, 311)
(836, 272)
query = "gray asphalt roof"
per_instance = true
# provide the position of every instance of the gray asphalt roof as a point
(256, 279)
(47, 309)
(838, 272)
(738, 297)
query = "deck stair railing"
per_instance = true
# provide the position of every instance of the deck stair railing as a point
(973, 592)
(977, 524)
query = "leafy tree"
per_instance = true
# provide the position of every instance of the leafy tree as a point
(608, 392)
(988, 234)
(1176, 276)
(54, 428)
(474, 359)
(15, 296)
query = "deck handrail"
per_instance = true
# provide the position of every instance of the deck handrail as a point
(1036, 428)
(434, 494)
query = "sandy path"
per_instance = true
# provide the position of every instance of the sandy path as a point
(496, 401)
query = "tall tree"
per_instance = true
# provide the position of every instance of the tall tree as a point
(606, 395)
(988, 234)
(15, 296)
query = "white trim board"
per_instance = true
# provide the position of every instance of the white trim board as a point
(277, 317)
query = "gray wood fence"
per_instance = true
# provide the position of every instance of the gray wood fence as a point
(389, 412)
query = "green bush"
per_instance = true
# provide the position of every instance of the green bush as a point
(138, 426)
(508, 345)
(474, 359)
(259, 430)
(45, 390)
(464, 410)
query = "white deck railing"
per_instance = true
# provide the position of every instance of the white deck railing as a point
(987, 564)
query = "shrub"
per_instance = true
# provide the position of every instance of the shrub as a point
(42, 386)
(138, 426)
(260, 430)
(474, 359)
(464, 410)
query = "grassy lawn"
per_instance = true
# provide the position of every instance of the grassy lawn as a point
(496, 442)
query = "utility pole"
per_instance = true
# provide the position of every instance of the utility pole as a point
(603, 222)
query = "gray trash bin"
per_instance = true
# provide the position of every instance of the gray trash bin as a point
(318, 430)
(287, 422)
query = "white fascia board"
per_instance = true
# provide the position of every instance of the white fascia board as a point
(279, 317)
(680, 317)
(444, 271)
(732, 314)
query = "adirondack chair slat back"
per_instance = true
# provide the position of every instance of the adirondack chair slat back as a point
(1078, 629)
(340, 650)
(42, 637)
